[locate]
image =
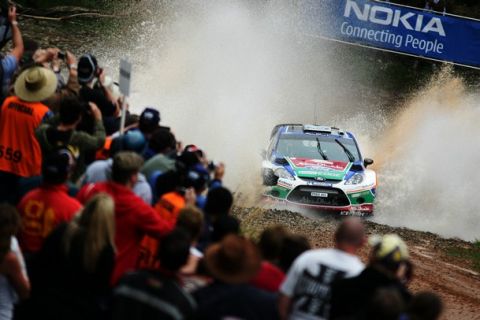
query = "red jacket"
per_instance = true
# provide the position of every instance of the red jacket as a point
(133, 220)
(43, 209)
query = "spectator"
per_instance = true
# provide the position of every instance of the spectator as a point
(65, 133)
(271, 242)
(388, 268)
(193, 179)
(48, 206)
(162, 144)
(270, 276)
(21, 157)
(150, 122)
(11, 61)
(224, 226)
(52, 58)
(133, 217)
(157, 294)
(91, 78)
(233, 263)
(168, 208)
(13, 276)
(72, 275)
(425, 306)
(100, 170)
(386, 304)
(30, 47)
(305, 294)
(293, 246)
(190, 219)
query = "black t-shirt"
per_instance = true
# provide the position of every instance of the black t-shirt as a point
(97, 96)
(220, 300)
(151, 295)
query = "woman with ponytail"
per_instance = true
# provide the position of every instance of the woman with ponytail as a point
(76, 263)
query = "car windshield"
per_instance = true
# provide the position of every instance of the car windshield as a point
(308, 146)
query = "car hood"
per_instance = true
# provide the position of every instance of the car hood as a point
(319, 169)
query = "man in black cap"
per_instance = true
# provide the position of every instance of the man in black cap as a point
(91, 77)
(150, 122)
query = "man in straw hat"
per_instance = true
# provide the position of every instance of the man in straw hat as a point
(305, 294)
(232, 263)
(389, 268)
(20, 115)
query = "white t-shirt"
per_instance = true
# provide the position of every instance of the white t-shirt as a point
(308, 281)
(8, 296)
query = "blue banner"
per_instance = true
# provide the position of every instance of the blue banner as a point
(395, 28)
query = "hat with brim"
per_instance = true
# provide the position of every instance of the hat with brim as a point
(35, 84)
(234, 260)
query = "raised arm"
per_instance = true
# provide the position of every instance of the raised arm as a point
(17, 39)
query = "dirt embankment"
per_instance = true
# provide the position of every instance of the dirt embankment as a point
(451, 278)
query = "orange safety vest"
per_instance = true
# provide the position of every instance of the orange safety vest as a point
(20, 152)
(168, 207)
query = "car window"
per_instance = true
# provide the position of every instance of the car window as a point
(306, 147)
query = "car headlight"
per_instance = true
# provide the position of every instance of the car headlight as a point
(284, 174)
(357, 178)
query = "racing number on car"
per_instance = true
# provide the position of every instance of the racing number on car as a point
(10, 154)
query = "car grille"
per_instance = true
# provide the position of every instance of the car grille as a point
(303, 195)
(325, 181)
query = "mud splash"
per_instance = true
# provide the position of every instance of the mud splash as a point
(223, 73)
(427, 162)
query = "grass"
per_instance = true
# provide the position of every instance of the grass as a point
(471, 254)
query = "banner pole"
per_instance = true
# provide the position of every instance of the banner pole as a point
(124, 115)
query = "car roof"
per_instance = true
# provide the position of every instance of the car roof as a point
(304, 129)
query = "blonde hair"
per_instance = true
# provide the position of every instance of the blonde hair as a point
(97, 222)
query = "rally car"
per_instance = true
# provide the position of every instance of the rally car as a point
(320, 167)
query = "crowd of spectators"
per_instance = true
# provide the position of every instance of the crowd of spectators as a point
(98, 224)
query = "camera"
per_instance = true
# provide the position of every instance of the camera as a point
(212, 165)
(62, 55)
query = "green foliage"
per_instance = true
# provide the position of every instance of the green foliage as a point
(471, 254)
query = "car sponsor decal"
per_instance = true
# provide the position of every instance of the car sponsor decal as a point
(315, 168)
(317, 164)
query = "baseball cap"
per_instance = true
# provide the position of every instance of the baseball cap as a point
(150, 116)
(87, 65)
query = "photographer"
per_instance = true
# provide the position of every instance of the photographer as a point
(92, 80)
(54, 58)
(64, 133)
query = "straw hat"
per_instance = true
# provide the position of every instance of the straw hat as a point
(35, 84)
(234, 260)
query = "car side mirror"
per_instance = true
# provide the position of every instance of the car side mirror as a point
(367, 162)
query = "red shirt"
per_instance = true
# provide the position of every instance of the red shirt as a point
(268, 278)
(133, 220)
(43, 209)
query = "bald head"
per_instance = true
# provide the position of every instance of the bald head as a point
(350, 233)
